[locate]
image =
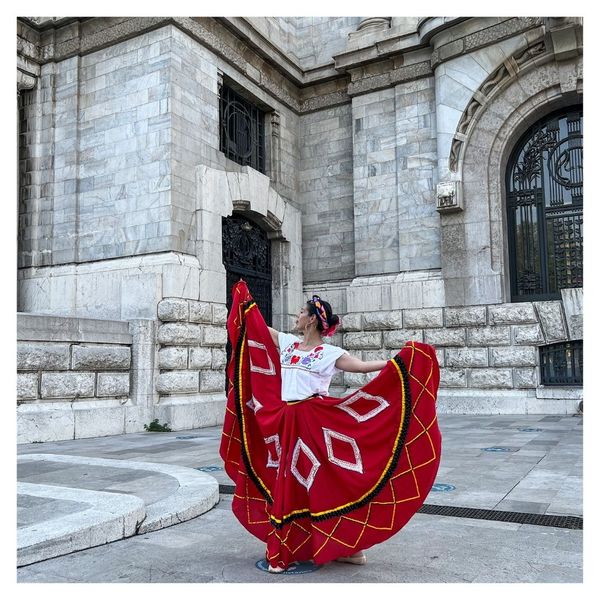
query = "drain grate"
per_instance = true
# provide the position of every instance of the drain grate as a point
(562, 521)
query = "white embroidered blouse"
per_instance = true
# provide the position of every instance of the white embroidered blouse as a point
(306, 372)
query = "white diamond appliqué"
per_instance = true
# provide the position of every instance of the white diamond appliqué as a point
(309, 479)
(254, 404)
(271, 462)
(253, 367)
(346, 406)
(357, 464)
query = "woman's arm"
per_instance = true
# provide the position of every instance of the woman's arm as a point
(274, 336)
(355, 365)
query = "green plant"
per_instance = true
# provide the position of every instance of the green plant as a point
(154, 426)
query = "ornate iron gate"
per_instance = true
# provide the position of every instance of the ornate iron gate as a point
(544, 187)
(247, 254)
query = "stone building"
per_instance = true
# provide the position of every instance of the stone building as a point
(422, 174)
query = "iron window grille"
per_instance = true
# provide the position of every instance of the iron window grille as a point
(562, 364)
(544, 185)
(242, 129)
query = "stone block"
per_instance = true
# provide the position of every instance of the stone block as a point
(513, 356)
(441, 357)
(512, 314)
(525, 377)
(177, 382)
(173, 309)
(96, 421)
(27, 386)
(200, 312)
(200, 358)
(176, 334)
(68, 385)
(383, 320)
(424, 317)
(453, 378)
(362, 341)
(352, 322)
(100, 357)
(527, 334)
(219, 314)
(355, 380)
(466, 357)
(572, 299)
(469, 316)
(219, 358)
(212, 381)
(214, 336)
(44, 422)
(34, 356)
(489, 336)
(551, 320)
(173, 358)
(491, 378)
(112, 384)
(446, 337)
(397, 339)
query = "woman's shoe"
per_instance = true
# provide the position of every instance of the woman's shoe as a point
(355, 559)
(275, 569)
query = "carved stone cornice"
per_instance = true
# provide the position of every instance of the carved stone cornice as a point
(484, 37)
(367, 84)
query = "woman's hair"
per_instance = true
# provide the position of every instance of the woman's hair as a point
(327, 322)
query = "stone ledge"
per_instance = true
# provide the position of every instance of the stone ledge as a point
(196, 494)
(104, 517)
(33, 327)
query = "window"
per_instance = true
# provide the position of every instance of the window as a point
(544, 186)
(242, 130)
(562, 364)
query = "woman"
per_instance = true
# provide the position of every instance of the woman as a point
(322, 478)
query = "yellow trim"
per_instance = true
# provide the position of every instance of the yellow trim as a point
(378, 481)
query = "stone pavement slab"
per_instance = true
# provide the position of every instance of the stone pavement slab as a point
(215, 548)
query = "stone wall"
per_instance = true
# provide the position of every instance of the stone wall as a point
(191, 361)
(325, 193)
(482, 351)
(320, 38)
(82, 378)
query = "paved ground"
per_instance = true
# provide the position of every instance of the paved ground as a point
(518, 463)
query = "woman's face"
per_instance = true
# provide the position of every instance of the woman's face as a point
(303, 319)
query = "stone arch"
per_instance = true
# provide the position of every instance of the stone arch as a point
(508, 102)
(250, 194)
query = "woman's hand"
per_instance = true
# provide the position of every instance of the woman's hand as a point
(351, 364)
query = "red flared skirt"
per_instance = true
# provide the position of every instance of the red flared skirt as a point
(325, 477)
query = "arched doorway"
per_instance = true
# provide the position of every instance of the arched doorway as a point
(544, 208)
(247, 254)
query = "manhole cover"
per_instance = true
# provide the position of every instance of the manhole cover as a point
(498, 449)
(298, 568)
(187, 437)
(530, 429)
(442, 487)
(209, 468)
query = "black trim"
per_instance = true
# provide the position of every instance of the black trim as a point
(239, 408)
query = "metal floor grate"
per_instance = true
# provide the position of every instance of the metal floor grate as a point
(562, 521)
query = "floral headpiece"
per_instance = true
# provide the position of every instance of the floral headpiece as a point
(322, 315)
